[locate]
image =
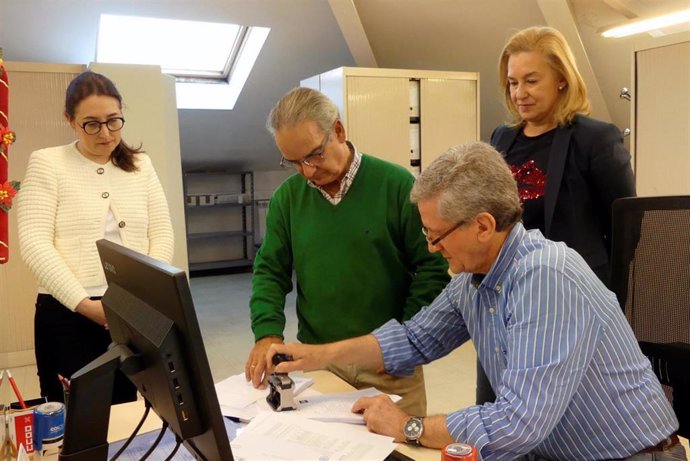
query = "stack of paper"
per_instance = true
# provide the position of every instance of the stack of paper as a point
(288, 436)
(336, 407)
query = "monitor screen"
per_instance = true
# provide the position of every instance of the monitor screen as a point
(157, 343)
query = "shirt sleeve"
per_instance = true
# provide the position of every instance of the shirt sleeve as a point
(272, 277)
(551, 338)
(432, 333)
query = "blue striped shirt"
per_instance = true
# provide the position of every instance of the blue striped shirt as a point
(570, 379)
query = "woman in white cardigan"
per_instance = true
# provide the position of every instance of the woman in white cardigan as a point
(96, 187)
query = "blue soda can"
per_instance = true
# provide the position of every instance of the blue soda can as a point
(49, 428)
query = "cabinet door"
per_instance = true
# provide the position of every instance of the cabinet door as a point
(449, 115)
(377, 117)
(662, 120)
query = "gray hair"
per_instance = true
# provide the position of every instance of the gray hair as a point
(469, 179)
(301, 105)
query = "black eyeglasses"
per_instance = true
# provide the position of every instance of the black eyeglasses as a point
(94, 127)
(314, 159)
(438, 239)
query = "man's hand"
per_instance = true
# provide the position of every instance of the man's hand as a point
(382, 416)
(92, 310)
(256, 370)
(305, 357)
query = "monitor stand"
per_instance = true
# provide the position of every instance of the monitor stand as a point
(88, 407)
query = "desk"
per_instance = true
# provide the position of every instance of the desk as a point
(124, 417)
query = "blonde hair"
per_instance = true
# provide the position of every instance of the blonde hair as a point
(469, 179)
(555, 50)
(301, 105)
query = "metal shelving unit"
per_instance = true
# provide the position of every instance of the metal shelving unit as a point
(219, 213)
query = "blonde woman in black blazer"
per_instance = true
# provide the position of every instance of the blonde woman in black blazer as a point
(569, 167)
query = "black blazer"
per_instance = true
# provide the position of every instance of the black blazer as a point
(589, 168)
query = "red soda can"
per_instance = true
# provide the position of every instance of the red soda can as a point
(459, 451)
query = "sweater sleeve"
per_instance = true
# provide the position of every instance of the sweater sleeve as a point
(429, 270)
(37, 206)
(160, 231)
(272, 278)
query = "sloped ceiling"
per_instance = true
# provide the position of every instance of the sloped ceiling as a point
(306, 39)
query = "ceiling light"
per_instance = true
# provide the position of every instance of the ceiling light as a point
(644, 25)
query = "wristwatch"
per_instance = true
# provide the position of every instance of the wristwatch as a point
(413, 430)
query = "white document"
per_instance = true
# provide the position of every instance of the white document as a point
(287, 436)
(336, 407)
(237, 397)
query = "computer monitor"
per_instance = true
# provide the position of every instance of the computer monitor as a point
(157, 343)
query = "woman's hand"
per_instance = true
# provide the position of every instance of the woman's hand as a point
(92, 310)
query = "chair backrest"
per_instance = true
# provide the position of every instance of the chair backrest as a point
(650, 274)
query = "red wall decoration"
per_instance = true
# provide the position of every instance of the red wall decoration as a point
(8, 189)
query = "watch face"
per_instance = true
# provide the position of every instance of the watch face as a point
(413, 428)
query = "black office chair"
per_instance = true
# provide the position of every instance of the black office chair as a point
(650, 274)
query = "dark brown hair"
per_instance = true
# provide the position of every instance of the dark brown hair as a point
(88, 84)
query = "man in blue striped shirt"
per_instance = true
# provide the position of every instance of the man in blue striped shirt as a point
(570, 380)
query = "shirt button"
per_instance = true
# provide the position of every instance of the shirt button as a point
(498, 288)
(121, 224)
(105, 195)
(497, 350)
(492, 310)
(100, 171)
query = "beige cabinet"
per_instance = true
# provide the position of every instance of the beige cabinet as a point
(661, 115)
(405, 116)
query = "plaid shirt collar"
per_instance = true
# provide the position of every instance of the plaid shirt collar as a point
(346, 182)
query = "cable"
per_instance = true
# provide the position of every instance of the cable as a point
(134, 433)
(177, 446)
(156, 442)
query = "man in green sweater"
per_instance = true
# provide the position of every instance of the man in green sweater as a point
(346, 226)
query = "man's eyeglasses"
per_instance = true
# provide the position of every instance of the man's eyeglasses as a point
(314, 159)
(437, 240)
(94, 127)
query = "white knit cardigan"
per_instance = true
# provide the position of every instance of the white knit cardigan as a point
(62, 206)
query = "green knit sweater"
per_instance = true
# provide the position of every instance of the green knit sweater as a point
(358, 264)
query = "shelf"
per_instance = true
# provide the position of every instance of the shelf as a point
(211, 265)
(223, 236)
(216, 171)
(218, 205)
(217, 234)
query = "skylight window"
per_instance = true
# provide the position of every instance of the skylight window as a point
(210, 61)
